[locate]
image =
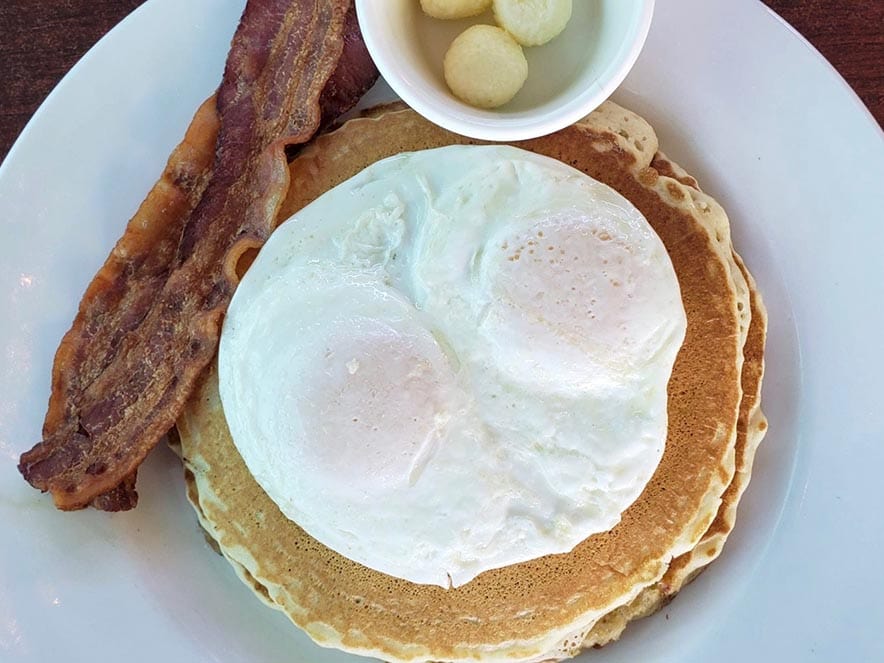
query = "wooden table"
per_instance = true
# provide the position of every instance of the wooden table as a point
(41, 40)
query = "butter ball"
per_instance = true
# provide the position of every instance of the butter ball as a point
(532, 22)
(454, 8)
(485, 67)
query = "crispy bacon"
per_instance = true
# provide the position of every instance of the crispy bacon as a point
(149, 322)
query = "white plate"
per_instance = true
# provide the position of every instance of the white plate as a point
(737, 98)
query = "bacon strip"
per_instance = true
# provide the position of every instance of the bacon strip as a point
(149, 322)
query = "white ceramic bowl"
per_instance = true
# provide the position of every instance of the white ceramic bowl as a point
(567, 77)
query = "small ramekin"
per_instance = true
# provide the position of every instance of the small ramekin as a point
(567, 78)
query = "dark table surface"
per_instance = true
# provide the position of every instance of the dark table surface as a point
(41, 40)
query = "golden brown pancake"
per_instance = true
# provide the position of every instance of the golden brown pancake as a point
(544, 607)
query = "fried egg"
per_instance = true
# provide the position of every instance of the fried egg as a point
(455, 361)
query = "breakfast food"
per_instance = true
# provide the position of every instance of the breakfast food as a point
(478, 307)
(448, 9)
(551, 607)
(532, 22)
(149, 322)
(485, 67)
(436, 427)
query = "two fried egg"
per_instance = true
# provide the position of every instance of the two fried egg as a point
(455, 361)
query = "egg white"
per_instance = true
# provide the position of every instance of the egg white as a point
(455, 361)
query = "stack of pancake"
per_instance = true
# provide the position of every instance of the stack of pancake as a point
(548, 608)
